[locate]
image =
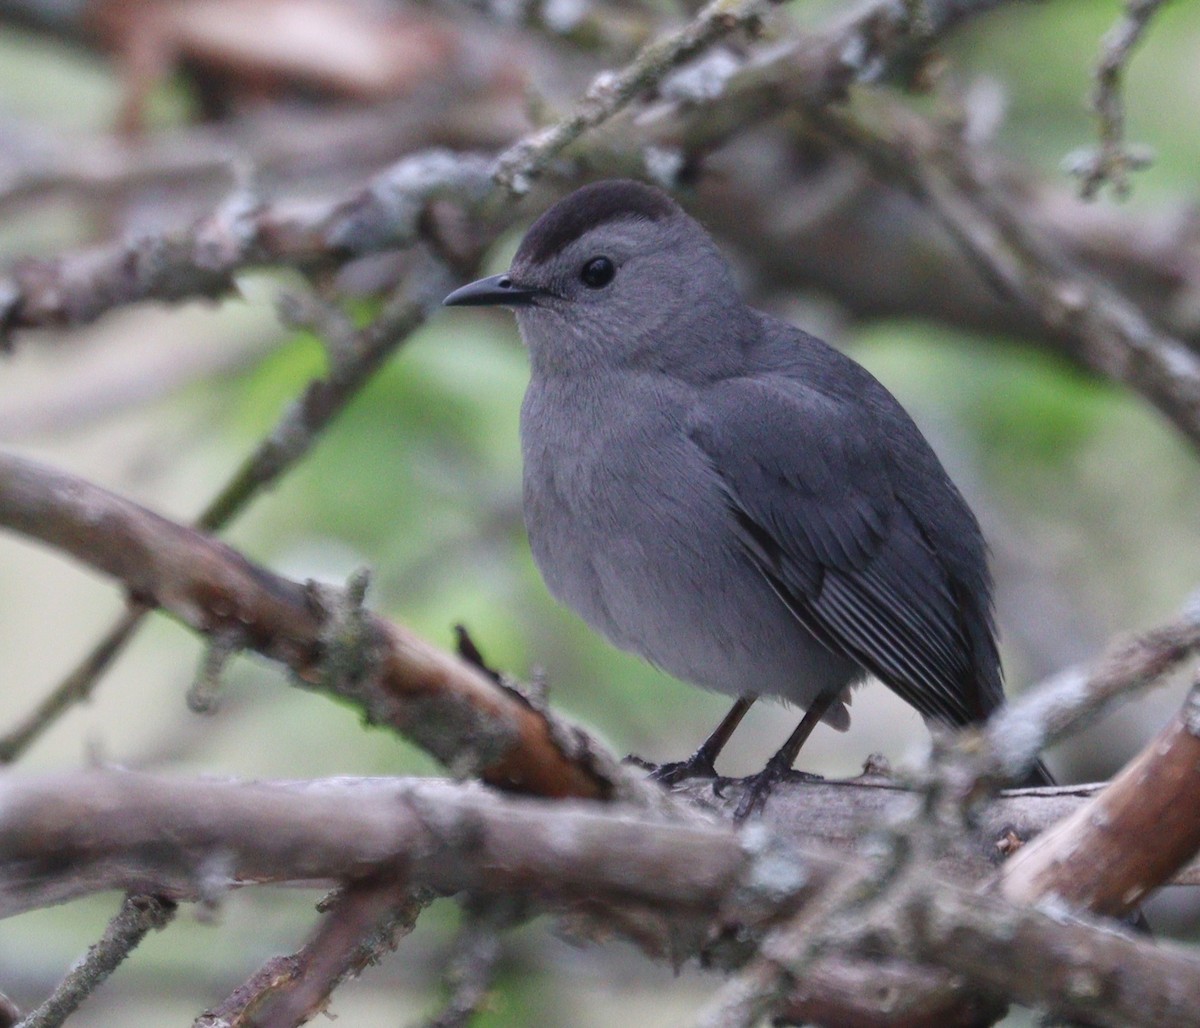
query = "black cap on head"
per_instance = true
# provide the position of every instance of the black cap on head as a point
(589, 207)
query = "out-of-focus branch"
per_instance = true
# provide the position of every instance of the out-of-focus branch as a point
(473, 963)
(190, 838)
(138, 916)
(361, 922)
(204, 260)
(612, 92)
(1042, 715)
(438, 701)
(352, 363)
(103, 828)
(1108, 333)
(1113, 159)
(1098, 858)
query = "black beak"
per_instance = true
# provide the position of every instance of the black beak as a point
(497, 291)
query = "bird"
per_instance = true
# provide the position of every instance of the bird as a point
(726, 495)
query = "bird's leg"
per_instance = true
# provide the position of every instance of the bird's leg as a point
(701, 764)
(759, 786)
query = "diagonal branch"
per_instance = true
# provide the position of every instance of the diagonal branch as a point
(138, 916)
(439, 702)
(1107, 333)
(362, 921)
(1097, 858)
(351, 367)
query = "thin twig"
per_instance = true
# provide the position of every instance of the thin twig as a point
(363, 922)
(1113, 159)
(138, 916)
(1105, 330)
(610, 92)
(473, 962)
(296, 432)
(76, 687)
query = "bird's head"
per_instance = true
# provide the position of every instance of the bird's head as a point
(614, 274)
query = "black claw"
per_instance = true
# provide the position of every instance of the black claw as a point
(758, 788)
(757, 791)
(696, 766)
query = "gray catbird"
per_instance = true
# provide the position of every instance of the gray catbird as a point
(726, 495)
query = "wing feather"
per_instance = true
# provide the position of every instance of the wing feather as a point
(819, 514)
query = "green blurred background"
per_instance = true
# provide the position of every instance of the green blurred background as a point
(1089, 499)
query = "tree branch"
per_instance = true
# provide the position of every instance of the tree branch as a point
(351, 365)
(64, 835)
(361, 922)
(1109, 334)
(1113, 159)
(438, 701)
(1097, 859)
(138, 916)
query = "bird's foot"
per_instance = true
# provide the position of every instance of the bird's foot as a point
(757, 788)
(698, 765)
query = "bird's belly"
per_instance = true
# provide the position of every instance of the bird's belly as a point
(650, 559)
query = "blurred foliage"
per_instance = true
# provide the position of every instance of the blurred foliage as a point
(420, 480)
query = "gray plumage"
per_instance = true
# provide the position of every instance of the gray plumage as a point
(724, 494)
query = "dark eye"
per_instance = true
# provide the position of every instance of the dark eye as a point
(597, 273)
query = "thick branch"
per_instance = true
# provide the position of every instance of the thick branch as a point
(351, 365)
(1114, 850)
(438, 701)
(68, 835)
(336, 829)
(65, 835)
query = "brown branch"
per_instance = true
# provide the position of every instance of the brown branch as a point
(353, 828)
(135, 831)
(352, 364)
(1133, 836)
(875, 992)
(361, 922)
(438, 701)
(107, 830)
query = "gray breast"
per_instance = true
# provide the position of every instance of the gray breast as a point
(630, 528)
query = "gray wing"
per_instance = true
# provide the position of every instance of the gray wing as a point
(810, 490)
